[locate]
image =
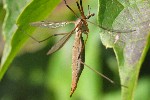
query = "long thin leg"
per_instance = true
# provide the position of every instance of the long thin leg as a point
(86, 38)
(111, 30)
(45, 38)
(71, 9)
(89, 9)
(102, 75)
(81, 6)
(83, 44)
(111, 81)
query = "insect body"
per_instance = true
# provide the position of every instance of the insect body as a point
(78, 53)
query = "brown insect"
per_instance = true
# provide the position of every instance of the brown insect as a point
(78, 51)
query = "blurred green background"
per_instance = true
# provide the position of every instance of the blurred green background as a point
(35, 76)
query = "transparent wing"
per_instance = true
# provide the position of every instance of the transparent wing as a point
(47, 24)
(60, 43)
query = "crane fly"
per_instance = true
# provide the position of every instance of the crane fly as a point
(78, 51)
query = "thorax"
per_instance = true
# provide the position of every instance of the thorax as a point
(82, 26)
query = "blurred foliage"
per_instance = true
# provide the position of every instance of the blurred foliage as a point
(21, 15)
(2, 15)
(35, 76)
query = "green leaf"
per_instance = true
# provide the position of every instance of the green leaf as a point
(130, 47)
(15, 37)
